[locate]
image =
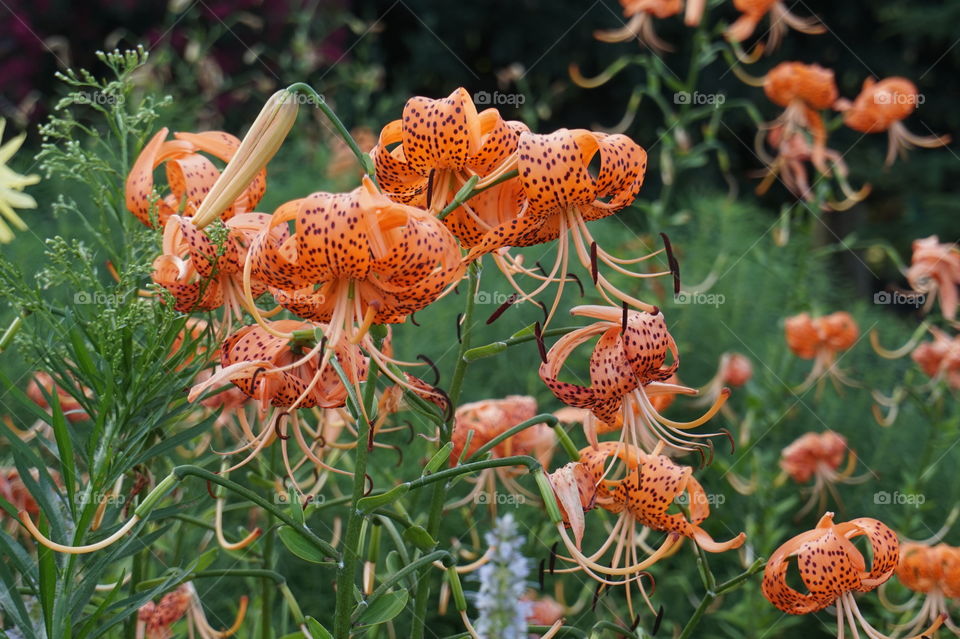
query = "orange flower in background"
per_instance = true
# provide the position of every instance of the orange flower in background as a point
(793, 152)
(832, 569)
(486, 420)
(354, 259)
(882, 106)
(933, 571)
(628, 368)
(42, 385)
(753, 11)
(190, 175)
(642, 14)
(641, 489)
(156, 620)
(935, 271)
(440, 144)
(822, 339)
(803, 90)
(492, 417)
(818, 456)
(940, 358)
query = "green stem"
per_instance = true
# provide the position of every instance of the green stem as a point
(710, 596)
(347, 569)
(467, 191)
(463, 469)
(321, 103)
(545, 418)
(439, 490)
(185, 471)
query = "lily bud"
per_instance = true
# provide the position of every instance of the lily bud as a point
(258, 147)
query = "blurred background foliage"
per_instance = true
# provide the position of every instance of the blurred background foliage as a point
(220, 59)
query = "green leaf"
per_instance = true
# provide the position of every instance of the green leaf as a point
(296, 544)
(419, 537)
(317, 630)
(384, 609)
(367, 504)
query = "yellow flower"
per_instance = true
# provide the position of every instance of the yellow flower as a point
(11, 188)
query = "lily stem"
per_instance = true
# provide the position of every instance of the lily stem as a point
(347, 567)
(439, 489)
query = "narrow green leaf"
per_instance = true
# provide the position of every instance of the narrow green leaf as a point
(384, 609)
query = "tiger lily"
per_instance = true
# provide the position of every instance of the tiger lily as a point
(803, 90)
(424, 158)
(202, 275)
(818, 456)
(627, 371)
(560, 196)
(270, 370)
(931, 572)
(190, 175)
(753, 11)
(353, 260)
(646, 487)
(935, 271)
(821, 339)
(882, 106)
(640, 26)
(940, 358)
(832, 569)
(793, 152)
(486, 420)
(156, 620)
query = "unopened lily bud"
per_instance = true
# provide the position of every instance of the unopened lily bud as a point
(258, 147)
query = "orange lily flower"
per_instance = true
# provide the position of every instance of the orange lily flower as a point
(818, 456)
(935, 271)
(354, 259)
(270, 370)
(627, 370)
(42, 385)
(202, 275)
(794, 151)
(832, 569)
(190, 175)
(640, 26)
(753, 11)
(821, 339)
(155, 620)
(486, 420)
(934, 572)
(940, 358)
(440, 144)
(882, 106)
(646, 487)
(803, 90)
(559, 196)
